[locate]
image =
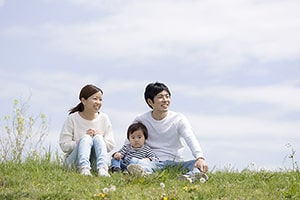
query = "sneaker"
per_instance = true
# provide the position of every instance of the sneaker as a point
(135, 170)
(103, 172)
(194, 177)
(186, 177)
(115, 169)
(203, 178)
(125, 172)
(85, 171)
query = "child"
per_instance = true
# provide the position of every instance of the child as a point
(136, 157)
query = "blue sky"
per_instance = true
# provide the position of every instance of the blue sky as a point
(232, 67)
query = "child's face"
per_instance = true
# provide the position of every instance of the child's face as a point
(137, 139)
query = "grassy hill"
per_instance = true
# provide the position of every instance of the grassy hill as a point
(44, 179)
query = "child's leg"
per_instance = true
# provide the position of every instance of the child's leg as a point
(115, 163)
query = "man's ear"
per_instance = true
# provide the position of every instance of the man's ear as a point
(150, 102)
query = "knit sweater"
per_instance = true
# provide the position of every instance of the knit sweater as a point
(165, 137)
(75, 127)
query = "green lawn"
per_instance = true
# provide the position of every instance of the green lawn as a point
(48, 180)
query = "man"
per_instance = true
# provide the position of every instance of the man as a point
(166, 129)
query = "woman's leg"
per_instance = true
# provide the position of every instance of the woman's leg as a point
(100, 152)
(84, 151)
(71, 160)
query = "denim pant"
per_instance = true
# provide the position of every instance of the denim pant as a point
(90, 152)
(185, 165)
(147, 165)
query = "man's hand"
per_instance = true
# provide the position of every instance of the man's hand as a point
(201, 164)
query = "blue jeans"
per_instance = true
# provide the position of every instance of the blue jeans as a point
(147, 165)
(90, 152)
(184, 165)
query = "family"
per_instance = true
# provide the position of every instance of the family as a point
(154, 138)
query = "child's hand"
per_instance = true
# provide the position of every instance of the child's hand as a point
(117, 156)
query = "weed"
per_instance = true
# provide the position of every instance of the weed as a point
(21, 137)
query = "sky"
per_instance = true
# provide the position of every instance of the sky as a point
(233, 68)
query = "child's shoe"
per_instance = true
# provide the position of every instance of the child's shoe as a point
(136, 170)
(115, 169)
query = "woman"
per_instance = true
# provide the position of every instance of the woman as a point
(86, 136)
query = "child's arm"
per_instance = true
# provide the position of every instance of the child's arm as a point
(120, 154)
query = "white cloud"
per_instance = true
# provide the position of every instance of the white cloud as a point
(214, 33)
(229, 126)
(285, 97)
(19, 31)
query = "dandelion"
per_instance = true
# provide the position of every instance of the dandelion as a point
(105, 190)
(112, 188)
(185, 188)
(100, 195)
(194, 188)
(162, 185)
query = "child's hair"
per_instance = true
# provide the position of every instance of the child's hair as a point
(152, 89)
(137, 126)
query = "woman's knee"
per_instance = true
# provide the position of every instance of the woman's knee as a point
(86, 139)
(98, 137)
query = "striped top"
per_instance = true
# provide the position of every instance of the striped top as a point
(128, 153)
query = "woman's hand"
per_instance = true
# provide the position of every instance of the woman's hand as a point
(92, 132)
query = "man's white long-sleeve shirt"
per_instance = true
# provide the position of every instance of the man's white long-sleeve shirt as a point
(166, 136)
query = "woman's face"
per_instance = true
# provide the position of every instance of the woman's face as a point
(93, 103)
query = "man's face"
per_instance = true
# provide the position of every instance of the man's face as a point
(161, 102)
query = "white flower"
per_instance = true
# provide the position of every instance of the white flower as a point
(112, 188)
(162, 185)
(105, 190)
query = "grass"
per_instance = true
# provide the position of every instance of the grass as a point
(44, 179)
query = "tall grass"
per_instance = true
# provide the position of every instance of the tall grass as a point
(46, 179)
